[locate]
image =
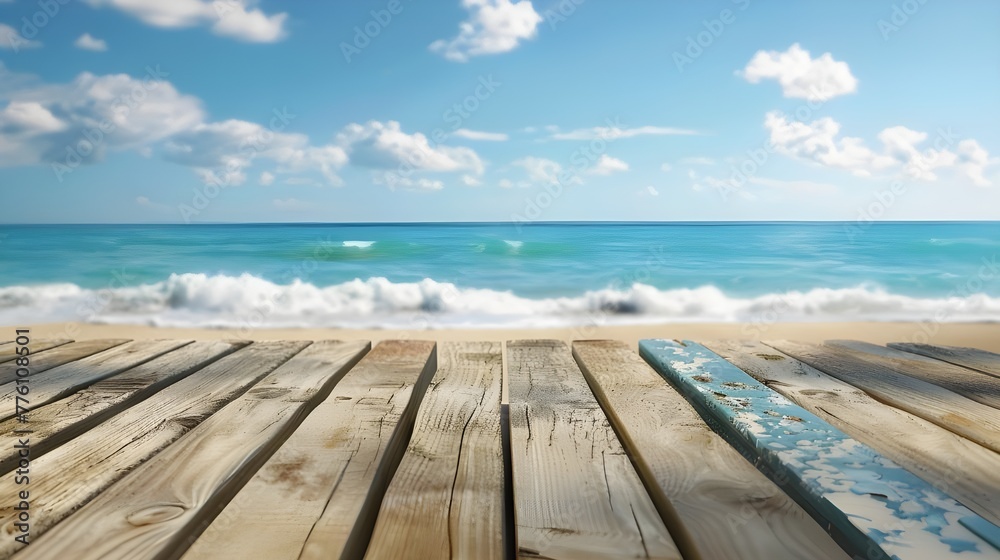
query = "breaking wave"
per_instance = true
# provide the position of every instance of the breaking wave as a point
(249, 301)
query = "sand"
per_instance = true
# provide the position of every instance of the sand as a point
(985, 336)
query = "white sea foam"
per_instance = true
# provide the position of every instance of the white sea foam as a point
(358, 244)
(249, 301)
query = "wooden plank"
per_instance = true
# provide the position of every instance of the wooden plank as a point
(972, 358)
(447, 496)
(953, 464)
(965, 417)
(62, 420)
(158, 509)
(318, 495)
(576, 493)
(692, 474)
(8, 350)
(61, 381)
(874, 507)
(971, 384)
(64, 354)
(88, 464)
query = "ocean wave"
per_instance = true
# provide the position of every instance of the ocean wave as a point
(249, 301)
(358, 244)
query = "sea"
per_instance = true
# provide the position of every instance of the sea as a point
(470, 275)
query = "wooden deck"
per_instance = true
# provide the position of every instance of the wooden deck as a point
(487, 450)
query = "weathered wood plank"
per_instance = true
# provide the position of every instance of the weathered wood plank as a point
(141, 516)
(8, 350)
(62, 420)
(576, 493)
(61, 381)
(728, 507)
(318, 495)
(972, 358)
(953, 464)
(970, 384)
(97, 458)
(874, 507)
(965, 417)
(446, 498)
(41, 361)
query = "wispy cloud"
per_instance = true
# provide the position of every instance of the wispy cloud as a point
(480, 135)
(614, 132)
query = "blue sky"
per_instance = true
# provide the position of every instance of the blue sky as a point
(492, 110)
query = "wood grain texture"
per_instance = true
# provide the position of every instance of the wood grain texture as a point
(8, 350)
(979, 360)
(156, 511)
(61, 381)
(576, 493)
(874, 507)
(446, 498)
(97, 458)
(62, 420)
(728, 507)
(318, 495)
(63, 354)
(965, 417)
(968, 472)
(974, 385)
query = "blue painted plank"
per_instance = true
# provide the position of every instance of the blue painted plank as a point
(874, 507)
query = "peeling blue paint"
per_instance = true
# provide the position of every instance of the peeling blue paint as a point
(872, 504)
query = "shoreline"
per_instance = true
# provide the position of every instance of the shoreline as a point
(982, 335)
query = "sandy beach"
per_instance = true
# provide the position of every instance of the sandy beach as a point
(985, 336)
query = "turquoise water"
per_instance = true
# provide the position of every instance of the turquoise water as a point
(491, 274)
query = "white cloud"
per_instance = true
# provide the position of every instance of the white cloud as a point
(79, 121)
(471, 181)
(238, 19)
(651, 191)
(266, 178)
(615, 132)
(697, 161)
(11, 39)
(228, 147)
(666, 167)
(800, 75)
(494, 26)
(820, 141)
(479, 135)
(606, 165)
(385, 146)
(88, 42)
